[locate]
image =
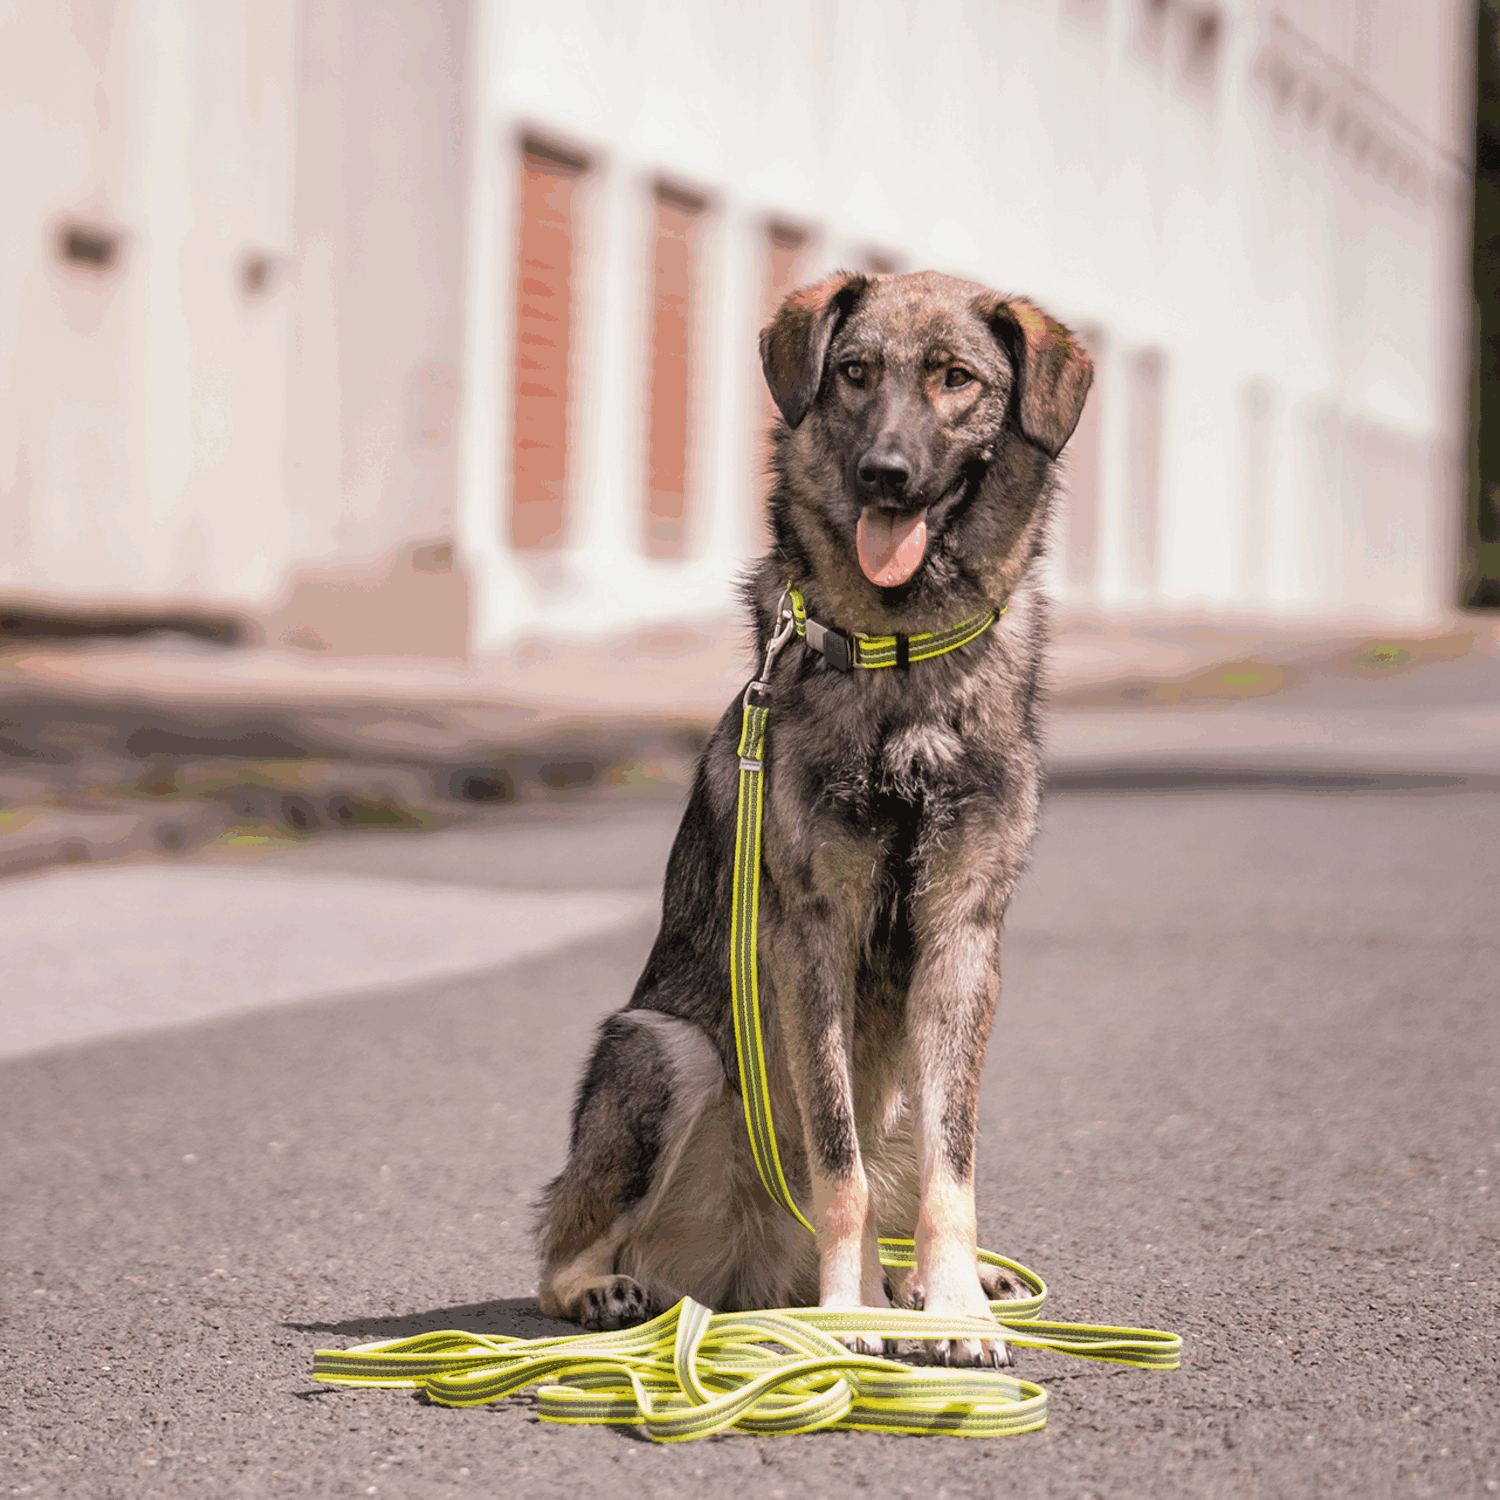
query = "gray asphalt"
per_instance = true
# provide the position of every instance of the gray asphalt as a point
(1246, 1086)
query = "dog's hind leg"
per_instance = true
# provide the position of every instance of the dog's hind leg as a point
(645, 1084)
(587, 1210)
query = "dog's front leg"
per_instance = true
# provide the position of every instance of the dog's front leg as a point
(811, 959)
(952, 1002)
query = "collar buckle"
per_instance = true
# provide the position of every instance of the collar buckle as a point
(836, 648)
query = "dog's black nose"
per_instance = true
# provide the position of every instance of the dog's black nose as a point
(885, 473)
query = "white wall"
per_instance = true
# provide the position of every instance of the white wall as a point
(175, 431)
(142, 430)
(171, 435)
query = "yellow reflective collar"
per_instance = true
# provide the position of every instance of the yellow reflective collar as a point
(848, 651)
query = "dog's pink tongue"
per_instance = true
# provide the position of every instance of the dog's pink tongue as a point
(890, 546)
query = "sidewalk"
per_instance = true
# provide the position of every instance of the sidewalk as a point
(130, 749)
(662, 675)
(1287, 705)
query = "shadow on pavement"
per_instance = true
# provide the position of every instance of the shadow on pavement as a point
(509, 1317)
(1191, 778)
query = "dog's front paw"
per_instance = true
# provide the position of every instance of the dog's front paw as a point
(986, 1353)
(996, 1284)
(990, 1353)
(615, 1302)
(864, 1343)
(999, 1285)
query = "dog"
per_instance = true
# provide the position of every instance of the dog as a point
(914, 472)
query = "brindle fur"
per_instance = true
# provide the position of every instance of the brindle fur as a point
(900, 807)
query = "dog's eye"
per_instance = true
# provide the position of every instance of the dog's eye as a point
(854, 372)
(957, 375)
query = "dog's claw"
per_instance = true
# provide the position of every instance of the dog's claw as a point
(986, 1353)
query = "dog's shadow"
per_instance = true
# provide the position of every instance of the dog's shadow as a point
(514, 1317)
(508, 1317)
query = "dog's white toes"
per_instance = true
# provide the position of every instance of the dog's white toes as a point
(865, 1343)
(984, 1353)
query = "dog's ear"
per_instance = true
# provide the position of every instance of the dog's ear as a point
(794, 344)
(1053, 373)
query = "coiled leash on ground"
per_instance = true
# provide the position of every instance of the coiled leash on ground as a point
(692, 1372)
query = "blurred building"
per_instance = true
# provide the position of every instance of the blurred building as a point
(424, 326)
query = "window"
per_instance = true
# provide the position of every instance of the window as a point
(91, 246)
(677, 222)
(1147, 377)
(1082, 469)
(785, 259)
(1085, 10)
(1151, 29)
(88, 253)
(1204, 30)
(549, 184)
(1257, 428)
(784, 247)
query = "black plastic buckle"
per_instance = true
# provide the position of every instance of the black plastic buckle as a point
(832, 645)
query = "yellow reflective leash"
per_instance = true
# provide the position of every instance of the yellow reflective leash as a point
(691, 1372)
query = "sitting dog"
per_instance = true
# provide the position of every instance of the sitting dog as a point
(913, 480)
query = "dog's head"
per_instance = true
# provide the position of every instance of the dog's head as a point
(911, 399)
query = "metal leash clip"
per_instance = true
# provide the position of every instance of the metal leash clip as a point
(762, 684)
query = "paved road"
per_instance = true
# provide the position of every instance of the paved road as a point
(1246, 1086)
